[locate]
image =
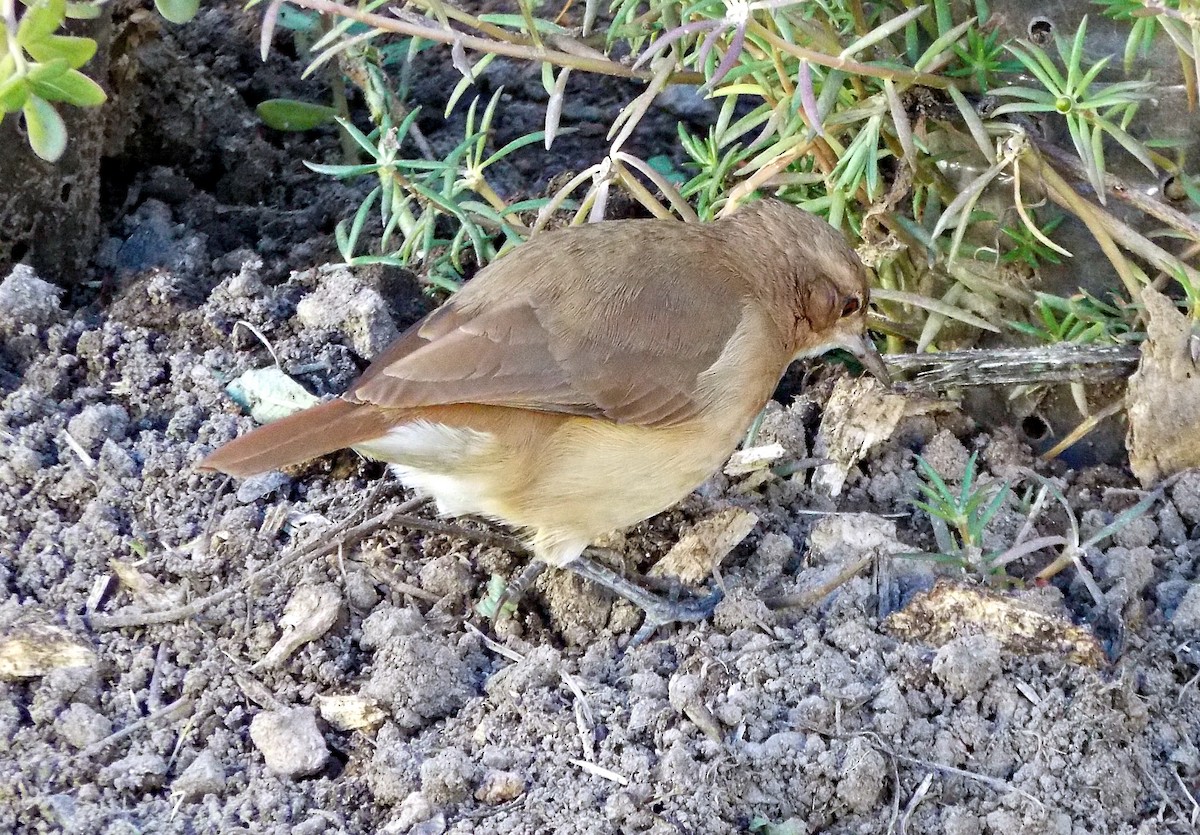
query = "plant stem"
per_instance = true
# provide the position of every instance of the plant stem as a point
(526, 52)
(872, 70)
(1111, 228)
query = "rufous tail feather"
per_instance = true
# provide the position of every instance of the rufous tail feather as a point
(291, 440)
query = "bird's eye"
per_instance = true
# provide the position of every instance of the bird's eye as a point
(851, 306)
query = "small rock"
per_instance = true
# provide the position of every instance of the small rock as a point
(1186, 620)
(414, 811)
(204, 776)
(1139, 533)
(290, 741)
(499, 787)
(965, 665)
(434, 826)
(1186, 496)
(1171, 530)
(81, 726)
(360, 590)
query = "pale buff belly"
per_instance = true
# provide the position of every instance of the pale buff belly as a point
(567, 480)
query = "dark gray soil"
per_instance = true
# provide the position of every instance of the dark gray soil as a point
(801, 720)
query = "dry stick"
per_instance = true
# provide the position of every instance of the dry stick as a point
(915, 800)
(1160, 788)
(837, 63)
(388, 577)
(96, 747)
(1079, 432)
(1062, 193)
(811, 597)
(1160, 280)
(508, 543)
(328, 542)
(993, 782)
(1015, 366)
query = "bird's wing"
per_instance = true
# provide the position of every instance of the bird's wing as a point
(629, 349)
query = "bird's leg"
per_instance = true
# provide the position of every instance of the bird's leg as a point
(659, 611)
(516, 588)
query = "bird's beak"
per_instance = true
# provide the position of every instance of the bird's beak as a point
(864, 349)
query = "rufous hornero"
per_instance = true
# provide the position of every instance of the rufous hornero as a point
(592, 377)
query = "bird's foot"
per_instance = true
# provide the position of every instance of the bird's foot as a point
(659, 611)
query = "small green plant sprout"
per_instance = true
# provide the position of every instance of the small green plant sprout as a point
(415, 193)
(1146, 18)
(39, 69)
(1025, 247)
(1074, 547)
(983, 58)
(1081, 319)
(961, 517)
(960, 520)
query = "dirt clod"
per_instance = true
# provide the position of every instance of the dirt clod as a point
(863, 776)
(447, 777)
(499, 787)
(967, 664)
(80, 726)
(27, 302)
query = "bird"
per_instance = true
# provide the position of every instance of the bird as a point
(592, 377)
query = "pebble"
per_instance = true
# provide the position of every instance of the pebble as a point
(290, 741)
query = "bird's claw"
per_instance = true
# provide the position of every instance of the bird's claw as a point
(664, 612)
(659, 611)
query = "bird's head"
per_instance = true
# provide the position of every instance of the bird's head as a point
(815, 282)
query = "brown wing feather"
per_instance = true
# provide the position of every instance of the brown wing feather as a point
(548, 329)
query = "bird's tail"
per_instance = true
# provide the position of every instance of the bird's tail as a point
(291, 440)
